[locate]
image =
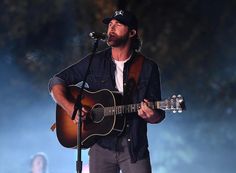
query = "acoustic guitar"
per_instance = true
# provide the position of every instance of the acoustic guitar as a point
(105, 117)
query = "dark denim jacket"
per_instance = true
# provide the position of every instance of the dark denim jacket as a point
(102, 76)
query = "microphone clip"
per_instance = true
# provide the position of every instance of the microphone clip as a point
(98, 36)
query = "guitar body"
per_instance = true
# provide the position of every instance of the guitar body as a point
(96, 124)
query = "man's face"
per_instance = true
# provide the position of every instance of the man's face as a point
(118, 33)
(37, 165)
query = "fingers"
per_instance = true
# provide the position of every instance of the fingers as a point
(145, 108)
(83, 116)
(84, 111)
(141, 111)
(142, 114)
(145, 112)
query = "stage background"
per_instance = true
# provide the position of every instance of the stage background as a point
(192, 41)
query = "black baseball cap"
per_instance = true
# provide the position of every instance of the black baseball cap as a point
(124, 17)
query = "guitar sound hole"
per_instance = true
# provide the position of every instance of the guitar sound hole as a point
(97, 113)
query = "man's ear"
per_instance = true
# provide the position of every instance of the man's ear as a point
(132, 33)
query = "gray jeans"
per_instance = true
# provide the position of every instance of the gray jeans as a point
(102, 160)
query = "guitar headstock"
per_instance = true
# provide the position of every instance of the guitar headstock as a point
(175, 104)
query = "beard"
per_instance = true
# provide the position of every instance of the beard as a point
(116, 41)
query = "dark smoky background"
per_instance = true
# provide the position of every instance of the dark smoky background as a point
(193, 42)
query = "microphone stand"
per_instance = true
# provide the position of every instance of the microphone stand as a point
(78, 107)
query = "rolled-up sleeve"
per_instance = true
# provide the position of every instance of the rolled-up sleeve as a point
(55, 81)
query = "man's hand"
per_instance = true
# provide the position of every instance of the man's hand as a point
(148, 114)
(83, 116)
(59, 94)
(70, 109)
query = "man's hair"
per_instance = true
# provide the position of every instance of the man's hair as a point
(136, 43)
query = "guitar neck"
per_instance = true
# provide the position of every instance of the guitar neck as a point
(175, 104)
(131, 108)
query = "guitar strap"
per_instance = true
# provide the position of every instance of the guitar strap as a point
(133, 77)
(136, 67)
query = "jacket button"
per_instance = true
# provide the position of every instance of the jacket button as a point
(129, 140)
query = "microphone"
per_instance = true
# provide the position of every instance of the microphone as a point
(98, 36)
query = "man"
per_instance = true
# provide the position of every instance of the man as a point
(39, 163)
(110, 69)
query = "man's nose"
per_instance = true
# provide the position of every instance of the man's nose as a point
(112, 27)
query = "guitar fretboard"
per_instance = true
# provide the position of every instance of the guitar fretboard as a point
(124, 109)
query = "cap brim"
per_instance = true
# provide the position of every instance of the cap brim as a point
(120, 19)
(107, 20)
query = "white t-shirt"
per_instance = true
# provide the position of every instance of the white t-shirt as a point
(119, 74)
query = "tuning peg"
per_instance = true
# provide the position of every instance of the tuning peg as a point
(180, 110)
(180, 98)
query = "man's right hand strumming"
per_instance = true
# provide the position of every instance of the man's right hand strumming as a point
(59, 94)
